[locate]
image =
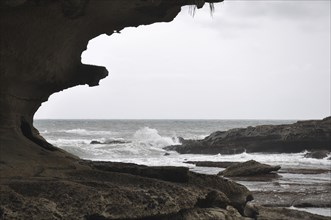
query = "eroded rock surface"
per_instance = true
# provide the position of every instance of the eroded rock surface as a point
(290, 138)
(105, 192)
(41, 45)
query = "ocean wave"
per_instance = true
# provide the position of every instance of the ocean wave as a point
(44, 132)
(313, 210)
(68, 142)
(150, 137)
(80, 131)
(283, 159)
(195, 137)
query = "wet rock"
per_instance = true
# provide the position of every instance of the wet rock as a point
(212, 163)
(248, 168)
(109, 142)
(267, 213)
(290, 138)
(313, 200)
(303, 171)
(116, 142)
(296, 199)
(317, 154)
(181, 140)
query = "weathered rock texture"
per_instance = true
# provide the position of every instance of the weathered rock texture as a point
(41, 45)
(291, 138)
(120, 191)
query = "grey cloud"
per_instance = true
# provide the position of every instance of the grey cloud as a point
(237, 16)
(282, 9)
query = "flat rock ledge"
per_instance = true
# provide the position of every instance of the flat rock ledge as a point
(106, 190)
(101, 190)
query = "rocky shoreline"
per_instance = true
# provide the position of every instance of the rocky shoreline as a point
(107, 190)
(117, 191)
(271, 187)
(39, 183)
(314, 135)
(41, 47)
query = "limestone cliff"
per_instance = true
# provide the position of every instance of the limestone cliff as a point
(41, 45)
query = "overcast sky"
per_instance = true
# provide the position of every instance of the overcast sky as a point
(251, 60)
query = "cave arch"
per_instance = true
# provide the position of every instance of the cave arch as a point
(41, 43)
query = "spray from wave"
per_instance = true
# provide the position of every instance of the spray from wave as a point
(151, 137)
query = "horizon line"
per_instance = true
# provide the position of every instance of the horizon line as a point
(280, 119)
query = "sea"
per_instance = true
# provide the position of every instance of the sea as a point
(142, 142)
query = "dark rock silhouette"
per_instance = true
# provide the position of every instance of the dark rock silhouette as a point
(41, 45)
(109, 142)
(248, 168)
(220, 164)
(318, 154)
(291, 138)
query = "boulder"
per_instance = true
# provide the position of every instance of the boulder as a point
(248, 168)
(109, 142)
(318, 154)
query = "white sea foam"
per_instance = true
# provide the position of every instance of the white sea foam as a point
(151, 138)
(195, 136)
(44, 132)
(80, 131)
(68, 142)
(319, 211)
(145, 143)
(145, 146)
(284, 159)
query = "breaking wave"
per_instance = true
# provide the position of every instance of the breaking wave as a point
(151, 137)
